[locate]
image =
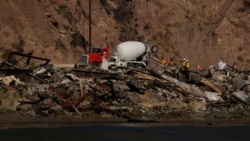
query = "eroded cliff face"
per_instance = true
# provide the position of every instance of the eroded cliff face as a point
(202, 31)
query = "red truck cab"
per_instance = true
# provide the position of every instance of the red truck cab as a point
(94, 58)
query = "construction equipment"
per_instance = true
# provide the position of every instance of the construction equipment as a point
(128, 54)
(93, 58)
(132, 54)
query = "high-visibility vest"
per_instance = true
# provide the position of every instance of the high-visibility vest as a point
(185, 64)
(163, 61)
(171, 63)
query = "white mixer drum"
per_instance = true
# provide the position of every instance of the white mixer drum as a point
(130, 50)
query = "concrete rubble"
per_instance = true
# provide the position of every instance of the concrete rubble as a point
(149, 95)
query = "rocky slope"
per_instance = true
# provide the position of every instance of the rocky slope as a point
(202, 31)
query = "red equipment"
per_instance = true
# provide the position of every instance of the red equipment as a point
(95, 57)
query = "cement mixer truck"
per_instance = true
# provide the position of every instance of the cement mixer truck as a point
(129, 54)
(132, 54)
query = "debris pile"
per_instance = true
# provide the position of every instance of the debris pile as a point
(133, 94)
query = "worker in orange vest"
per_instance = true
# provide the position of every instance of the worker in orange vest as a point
(163, 61)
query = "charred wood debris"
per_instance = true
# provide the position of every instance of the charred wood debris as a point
(152, 93)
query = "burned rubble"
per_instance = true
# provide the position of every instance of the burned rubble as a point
(149, 94)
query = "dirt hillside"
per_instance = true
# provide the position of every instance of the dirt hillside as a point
(202, 31)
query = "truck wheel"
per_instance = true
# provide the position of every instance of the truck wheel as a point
(113, 68)
(95, 64)
(139, 66)
(130, 65)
